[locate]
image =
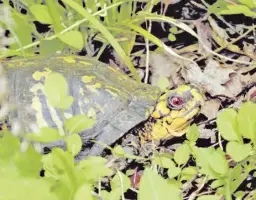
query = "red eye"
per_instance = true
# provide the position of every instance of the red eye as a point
(176, 101)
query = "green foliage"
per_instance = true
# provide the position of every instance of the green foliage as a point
(153, 186)
(245, 7)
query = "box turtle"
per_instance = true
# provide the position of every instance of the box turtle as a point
(116, 101)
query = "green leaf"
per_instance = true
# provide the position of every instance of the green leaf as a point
(246, 119)
(203, 156)
(237, 151)
(26, 189)
(171, 37)
(119, 151)
(56, 89)
(164, 161)
(153, 186)
(73, 39)
(192, 133)
(91, 172)
(163, 83)
(239, 195)
(249, 3)
(238, 9)
(105, 32)
(209, 197)
(173, 30)
(188, 173)
(217, 183)
(173, 172)
(45, 135)
(84, 191)
(181, 154)
(218, 162)
(9, 146)
(23, 162)
(79, 123)
(21, 30)
(227, 125)
(51, 46)
(41, 13)
(120, 182)
(74, 144)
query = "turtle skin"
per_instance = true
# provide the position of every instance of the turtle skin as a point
(117, 102)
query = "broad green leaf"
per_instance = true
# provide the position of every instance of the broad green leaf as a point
(21, 30)
(73, 39)
(51, 46)
(238, 9)
(120, 182)
(45, 135)
(55, 15)
(239, 195)
(74, 144)
(23, 162)
(188, 173)
(56, 90)
(163, 83)
(209, 197)
(25, 189)
(246, 119)
(237, 151)
(119, 151)
(173, 172)
(41, 13)
(91, 172)
(78, 123)
(153, 187)
(218, 162)
(227, 125)
(249, 3)
(217, 183)
(192, 133)
(84, 192)
(181, 154)
(164, 161)
(9, 145)
(203, 156)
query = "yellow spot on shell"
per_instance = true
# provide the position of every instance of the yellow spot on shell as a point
(92, 88)
(97, 85)
(88, 79)
(91, 113)
(85, 63)
(38, 75)
(68, 59)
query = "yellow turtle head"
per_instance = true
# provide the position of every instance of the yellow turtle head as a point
(174, 111)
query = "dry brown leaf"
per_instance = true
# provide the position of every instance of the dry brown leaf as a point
(216, 80)
(210, 108)
(162, 65)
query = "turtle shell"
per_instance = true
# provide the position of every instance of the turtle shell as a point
(116, 101)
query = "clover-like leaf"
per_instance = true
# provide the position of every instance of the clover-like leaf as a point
(181, 154)
(56, 91)
(227, 125)
(79, 123)
(153, 186)
(45, 135)
(237, 151)
(73, 39)
(74, 144)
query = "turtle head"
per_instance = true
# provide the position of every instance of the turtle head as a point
(174, 111)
